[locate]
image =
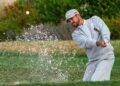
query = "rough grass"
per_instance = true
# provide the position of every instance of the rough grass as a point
(42, 47)
(49, 47)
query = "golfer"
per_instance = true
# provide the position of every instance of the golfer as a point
(94, 36)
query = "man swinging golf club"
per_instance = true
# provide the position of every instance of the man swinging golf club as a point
(94, 36)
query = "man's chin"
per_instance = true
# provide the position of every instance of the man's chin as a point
(75, 25)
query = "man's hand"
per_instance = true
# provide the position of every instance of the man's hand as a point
(101, 43)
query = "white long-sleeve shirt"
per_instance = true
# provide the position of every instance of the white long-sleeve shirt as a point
(87, 34)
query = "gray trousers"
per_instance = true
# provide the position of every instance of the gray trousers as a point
(99, 70)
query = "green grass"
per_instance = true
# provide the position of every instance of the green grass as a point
(111, 83)
(27, 69)
(21, 67)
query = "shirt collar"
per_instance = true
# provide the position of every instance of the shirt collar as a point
(80, 26)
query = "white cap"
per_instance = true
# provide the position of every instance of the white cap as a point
(70, 13)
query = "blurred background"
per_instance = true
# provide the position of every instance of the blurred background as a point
(27, 19)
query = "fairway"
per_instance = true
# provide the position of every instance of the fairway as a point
(34, 69)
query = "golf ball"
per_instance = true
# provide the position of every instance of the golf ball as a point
(27, 12)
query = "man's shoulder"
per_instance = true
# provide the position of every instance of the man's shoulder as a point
(95, 18)
(92, 19)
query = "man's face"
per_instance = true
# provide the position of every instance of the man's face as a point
(74, 21)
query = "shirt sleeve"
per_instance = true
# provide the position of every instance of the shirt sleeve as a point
(82, 41)
(102, 27)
